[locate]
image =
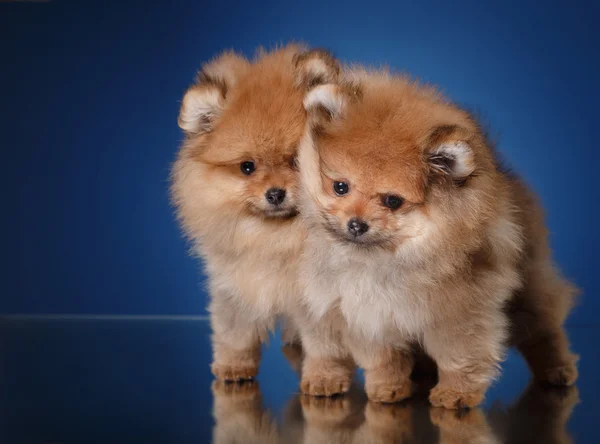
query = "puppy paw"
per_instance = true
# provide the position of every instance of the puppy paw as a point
(324, 385)
(231, 373)
(562, 376)
(325, 377)
(450, 398)
(389, 392)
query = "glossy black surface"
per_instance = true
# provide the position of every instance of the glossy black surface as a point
(145, 380)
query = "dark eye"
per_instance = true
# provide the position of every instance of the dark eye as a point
(392, 201)
(340, 188)
(247, 167)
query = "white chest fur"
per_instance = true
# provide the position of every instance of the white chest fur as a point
(261, 276)
(373, 296)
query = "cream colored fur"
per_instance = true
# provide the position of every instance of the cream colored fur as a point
(442, 271)
(240, 111)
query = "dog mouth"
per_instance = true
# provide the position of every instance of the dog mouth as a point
(346, 237)
(272, 211)
(280, 213)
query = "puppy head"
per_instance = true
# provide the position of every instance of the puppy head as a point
(243, 121)
(385, 162)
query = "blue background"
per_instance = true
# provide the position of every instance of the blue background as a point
(90, 93)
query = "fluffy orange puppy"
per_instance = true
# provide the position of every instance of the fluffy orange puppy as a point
(235, 186)
(418, 236)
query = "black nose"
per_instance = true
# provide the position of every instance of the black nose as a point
(357, 227)
(275, 196)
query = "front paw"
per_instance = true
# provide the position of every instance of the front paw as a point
(450, 398)
(234, 372)
(325, 377)
(389, 391)
(324, 385)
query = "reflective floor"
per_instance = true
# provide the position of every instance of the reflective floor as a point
(148, 380)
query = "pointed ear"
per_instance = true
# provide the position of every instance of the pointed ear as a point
(201, 106)
(327, 100)
(316, 67)
(204, 102)
(449, 153)
(325, 103)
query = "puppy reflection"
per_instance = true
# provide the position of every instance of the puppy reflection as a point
(240, 416)
(540, 415)
(460, 427)
(333, 419)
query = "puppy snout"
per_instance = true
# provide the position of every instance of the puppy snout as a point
(275, 196)
(357, 227)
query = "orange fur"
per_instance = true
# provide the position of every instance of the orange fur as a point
(240, 111)
(461, 259)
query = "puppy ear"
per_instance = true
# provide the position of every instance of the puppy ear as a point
(323, 103)
(449, 153)
(316, 67)
(325, 99)
(201, 106)
(204, 102)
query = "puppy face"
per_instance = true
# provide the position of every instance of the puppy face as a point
(244, 122)
(386, 162)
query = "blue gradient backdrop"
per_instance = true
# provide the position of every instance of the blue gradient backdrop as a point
(90, 94)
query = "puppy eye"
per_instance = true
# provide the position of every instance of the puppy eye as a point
(247, 167)
(341, 188)
(392, 201)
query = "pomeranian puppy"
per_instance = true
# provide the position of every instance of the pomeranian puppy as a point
(417, 236)
(235, 187)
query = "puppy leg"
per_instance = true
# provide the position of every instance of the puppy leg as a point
(236, 343)
(327, 368)
(387, 371)
(549, 358)
(537, 315)
(468, 357)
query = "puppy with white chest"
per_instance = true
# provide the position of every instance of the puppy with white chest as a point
(417, 236)
(235, 187)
